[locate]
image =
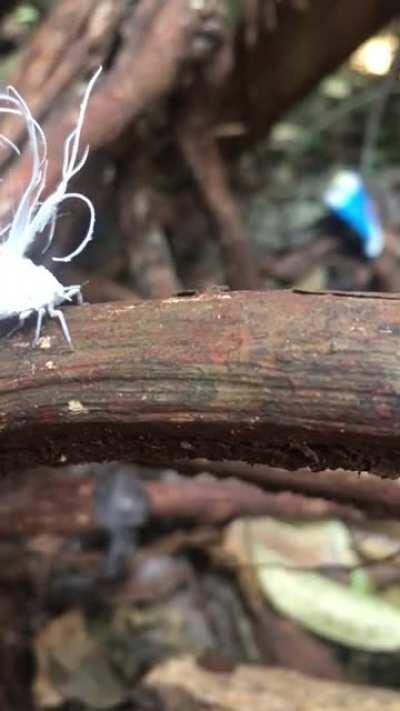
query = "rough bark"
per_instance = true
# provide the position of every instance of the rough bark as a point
(288, 379)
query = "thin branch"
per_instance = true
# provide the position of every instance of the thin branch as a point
(50, 503)
(376, 497)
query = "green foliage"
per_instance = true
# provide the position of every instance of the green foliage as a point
(347, 614)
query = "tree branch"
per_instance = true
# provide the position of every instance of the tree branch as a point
(375, 497)
(49, 503)
(296, 56)
(289, 379)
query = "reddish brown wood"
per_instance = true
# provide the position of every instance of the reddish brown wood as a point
(157, 37)
(289, 379)
(199, 146)
(49, 503)
(376, 497)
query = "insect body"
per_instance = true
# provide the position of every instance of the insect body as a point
(26, 288)
(37, 291)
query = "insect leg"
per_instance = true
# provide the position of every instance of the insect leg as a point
(41, 312)
(21, 320)
(57, 313)
(71, 291)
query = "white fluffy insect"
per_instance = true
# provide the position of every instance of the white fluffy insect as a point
(26, 288)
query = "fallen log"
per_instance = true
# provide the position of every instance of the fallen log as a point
(283, 378)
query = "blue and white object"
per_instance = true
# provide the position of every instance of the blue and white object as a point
(348, 199)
